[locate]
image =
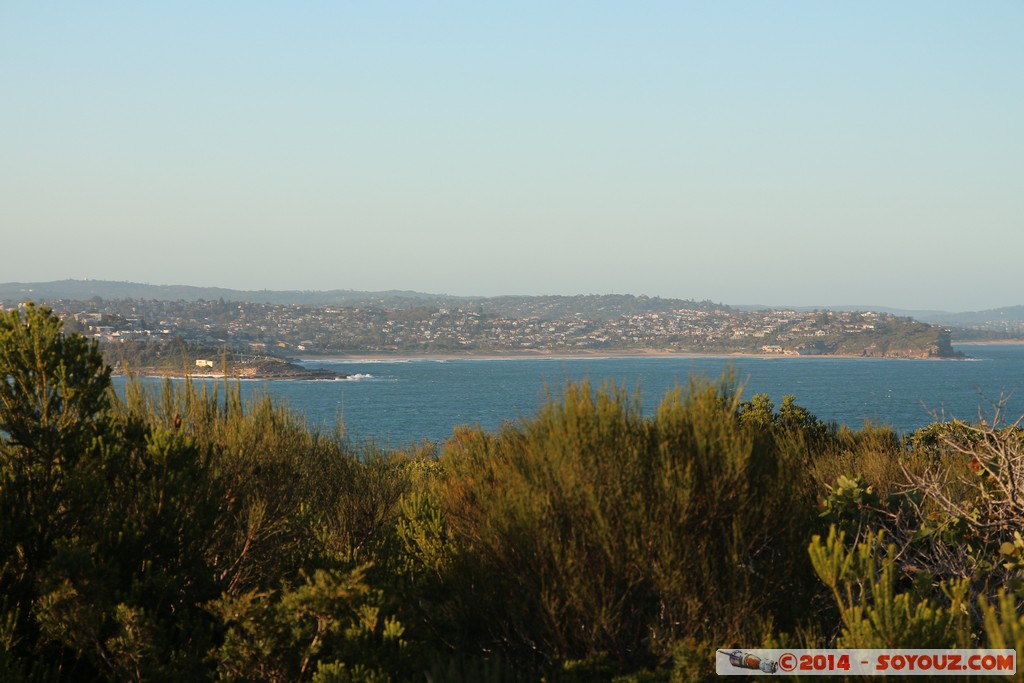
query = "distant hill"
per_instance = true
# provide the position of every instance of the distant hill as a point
(593, 306)
(84, 290)
(1007, 314)
(918, 314)
(995, 323)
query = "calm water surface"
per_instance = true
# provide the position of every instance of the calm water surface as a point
(403, 401)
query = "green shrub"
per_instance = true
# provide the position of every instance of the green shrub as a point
(590, 530)
(105, 521)
(187, 533)
(878, 607)
(327, 628)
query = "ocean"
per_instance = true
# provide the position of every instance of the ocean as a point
(401, 402)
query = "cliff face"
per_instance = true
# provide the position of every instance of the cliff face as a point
(943, 347)
(931, 352)
(910, 340)
(274, 368)
(937, 350)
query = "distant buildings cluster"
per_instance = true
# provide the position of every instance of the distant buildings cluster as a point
(332, 329)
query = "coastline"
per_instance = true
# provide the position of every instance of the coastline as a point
(576, 355)
(306, 376)
(312, 374)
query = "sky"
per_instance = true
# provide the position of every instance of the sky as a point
(778, 153)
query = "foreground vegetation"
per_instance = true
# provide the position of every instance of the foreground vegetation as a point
(188, 535)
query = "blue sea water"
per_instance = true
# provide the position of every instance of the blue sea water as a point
(398, 402)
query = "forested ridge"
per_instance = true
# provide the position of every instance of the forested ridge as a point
(186, 534)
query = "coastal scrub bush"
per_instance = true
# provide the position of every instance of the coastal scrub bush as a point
(131, 532)
(876, 611)
(187, 533)
(54, 393)
(53, 403)
(954, 504)
(589, 530)
(975, 488)
(103, 521)
(295, 498)
(950, 573)
(881, 605)
(328, 627)
(125, 590)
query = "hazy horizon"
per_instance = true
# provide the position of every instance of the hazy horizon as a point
(826, 305)
(748, 153)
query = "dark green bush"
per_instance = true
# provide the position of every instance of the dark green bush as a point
(183, 533)
(590, 530)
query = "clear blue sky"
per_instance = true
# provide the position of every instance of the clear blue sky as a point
(747, 152)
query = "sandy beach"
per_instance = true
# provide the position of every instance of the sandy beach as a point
(592, 354)
(990, 342)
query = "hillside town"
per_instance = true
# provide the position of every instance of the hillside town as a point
(303, 330)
